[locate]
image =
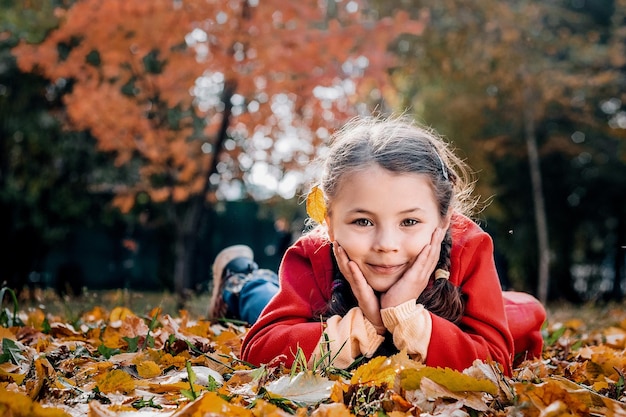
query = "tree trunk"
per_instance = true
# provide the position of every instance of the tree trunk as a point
(187, 230)
(541, 223)
(620, 254)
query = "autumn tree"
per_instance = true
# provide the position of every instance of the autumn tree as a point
(512, 81)
(190, 96)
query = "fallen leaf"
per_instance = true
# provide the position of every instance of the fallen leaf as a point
(115, 381)
(305, 388)
(410, 379)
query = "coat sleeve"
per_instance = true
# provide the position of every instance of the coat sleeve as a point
(483, 332)
(291, 319)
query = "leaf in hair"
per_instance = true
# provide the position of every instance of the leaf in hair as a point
(315, 205)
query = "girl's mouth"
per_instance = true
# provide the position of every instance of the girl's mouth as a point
(386, 269)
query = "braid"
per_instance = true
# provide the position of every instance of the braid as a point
(443, 298)
(342, 298)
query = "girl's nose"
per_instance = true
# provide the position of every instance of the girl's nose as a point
(386, 240)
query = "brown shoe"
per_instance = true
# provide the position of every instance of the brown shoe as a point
(217, 307)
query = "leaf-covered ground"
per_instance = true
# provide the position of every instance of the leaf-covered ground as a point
(124, 354)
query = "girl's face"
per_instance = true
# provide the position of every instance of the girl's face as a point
(383, 220)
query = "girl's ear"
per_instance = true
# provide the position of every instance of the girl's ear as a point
(445, 222)
(329, 228)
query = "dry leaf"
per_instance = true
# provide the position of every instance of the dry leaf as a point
(210, 404)
(434, 391)
(115, 381)
(148, 369)
(316, 205)
(410, 379)
(304, 388)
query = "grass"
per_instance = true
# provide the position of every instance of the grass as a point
(140, 302)
(590, 316)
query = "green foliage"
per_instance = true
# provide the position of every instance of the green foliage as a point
(11, 352)
(8, 318)
(141, 403)
(191, 377)
(30, 21)
(107, 352)
(46, 173)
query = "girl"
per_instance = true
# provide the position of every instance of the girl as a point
(396, 263)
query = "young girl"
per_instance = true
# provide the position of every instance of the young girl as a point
(396, 263)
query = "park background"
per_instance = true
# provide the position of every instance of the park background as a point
(140, 138)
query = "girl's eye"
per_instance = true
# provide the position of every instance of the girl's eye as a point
(409, 222)
(362, 222)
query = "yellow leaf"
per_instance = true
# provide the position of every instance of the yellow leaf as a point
(115, 381)
(178, 361)
(6, 374)
(213, 405)
(43, 371)
(19, 405)
(162, 388)
(148, 369)
(120, 313)
(370, 372)
(6, 333)
(35, 319)
(455, 381)
(337, 392)
(315, 205)
(383, 369)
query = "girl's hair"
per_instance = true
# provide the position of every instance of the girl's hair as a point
(400, 145)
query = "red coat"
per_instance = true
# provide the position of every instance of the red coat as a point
(291, 318)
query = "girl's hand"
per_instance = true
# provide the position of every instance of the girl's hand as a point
(367, 299)
(415, 279)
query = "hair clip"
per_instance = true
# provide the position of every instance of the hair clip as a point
(443, 167)
(442, 273)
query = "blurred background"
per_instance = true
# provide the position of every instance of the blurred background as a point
(139, 138)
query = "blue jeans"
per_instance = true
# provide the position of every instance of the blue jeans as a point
(250, 294)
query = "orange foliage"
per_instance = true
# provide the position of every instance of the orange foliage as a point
(135, 64)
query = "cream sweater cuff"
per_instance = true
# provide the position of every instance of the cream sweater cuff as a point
(411, 326)
(348, 337)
